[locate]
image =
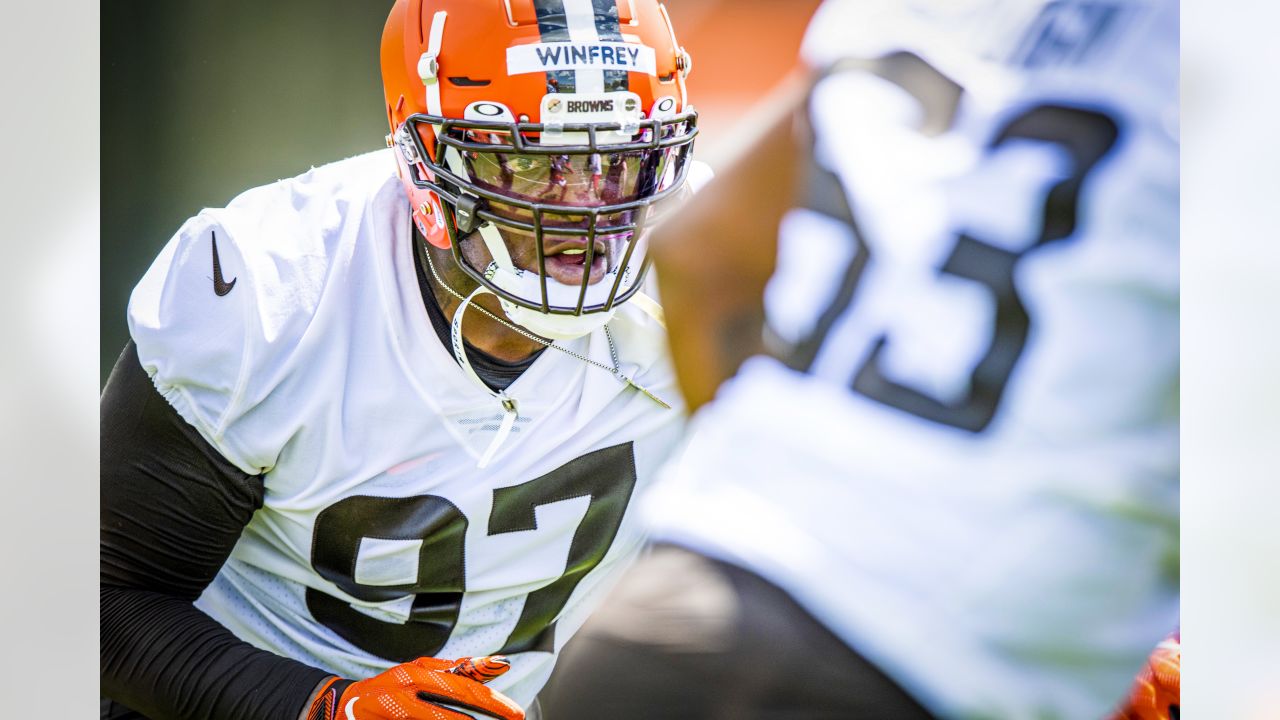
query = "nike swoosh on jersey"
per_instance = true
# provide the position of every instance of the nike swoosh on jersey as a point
(351, 715)
(220, 287)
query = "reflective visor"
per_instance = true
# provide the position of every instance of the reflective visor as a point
(578, 180)
(555, 168)
(595, 180)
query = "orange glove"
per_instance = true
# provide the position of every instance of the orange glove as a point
(425, 689)
(1156, 692)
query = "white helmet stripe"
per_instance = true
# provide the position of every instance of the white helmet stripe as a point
(434, 42)
(581, 17)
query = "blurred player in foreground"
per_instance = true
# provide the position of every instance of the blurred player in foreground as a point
(353, 486)
(944, 483)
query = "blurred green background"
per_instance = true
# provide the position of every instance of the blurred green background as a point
(203, 100)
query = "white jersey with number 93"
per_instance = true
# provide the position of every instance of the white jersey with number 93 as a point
(964, 456)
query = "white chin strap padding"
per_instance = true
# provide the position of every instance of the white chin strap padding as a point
(497, 248)
(556, 327)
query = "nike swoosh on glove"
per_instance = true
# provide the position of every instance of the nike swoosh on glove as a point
(425, 689)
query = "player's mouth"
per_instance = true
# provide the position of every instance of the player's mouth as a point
(566, 259)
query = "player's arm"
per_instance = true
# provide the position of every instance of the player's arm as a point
(172, 508)
(715, 255)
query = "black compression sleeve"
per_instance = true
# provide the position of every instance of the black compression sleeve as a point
(172, 508)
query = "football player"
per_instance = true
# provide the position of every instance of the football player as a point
(386, 420)
(944, 482)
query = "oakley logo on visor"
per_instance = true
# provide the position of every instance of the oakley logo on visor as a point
(544, 57)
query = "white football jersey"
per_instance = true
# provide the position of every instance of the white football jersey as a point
(964, 459)
(299, 346)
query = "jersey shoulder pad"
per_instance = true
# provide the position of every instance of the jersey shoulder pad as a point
(221, 316)
(203, 318)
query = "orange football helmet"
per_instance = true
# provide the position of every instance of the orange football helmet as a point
(552, 123)
(1156, 692)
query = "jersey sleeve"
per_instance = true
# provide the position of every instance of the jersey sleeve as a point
(191, 317)
(222, 317)
(172, 509)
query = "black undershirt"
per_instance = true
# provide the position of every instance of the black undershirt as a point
(497, 374)
(172, 508)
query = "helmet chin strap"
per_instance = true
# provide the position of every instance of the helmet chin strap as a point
(497, 247)
(510, 407)
(488, 233)
(556, 327)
